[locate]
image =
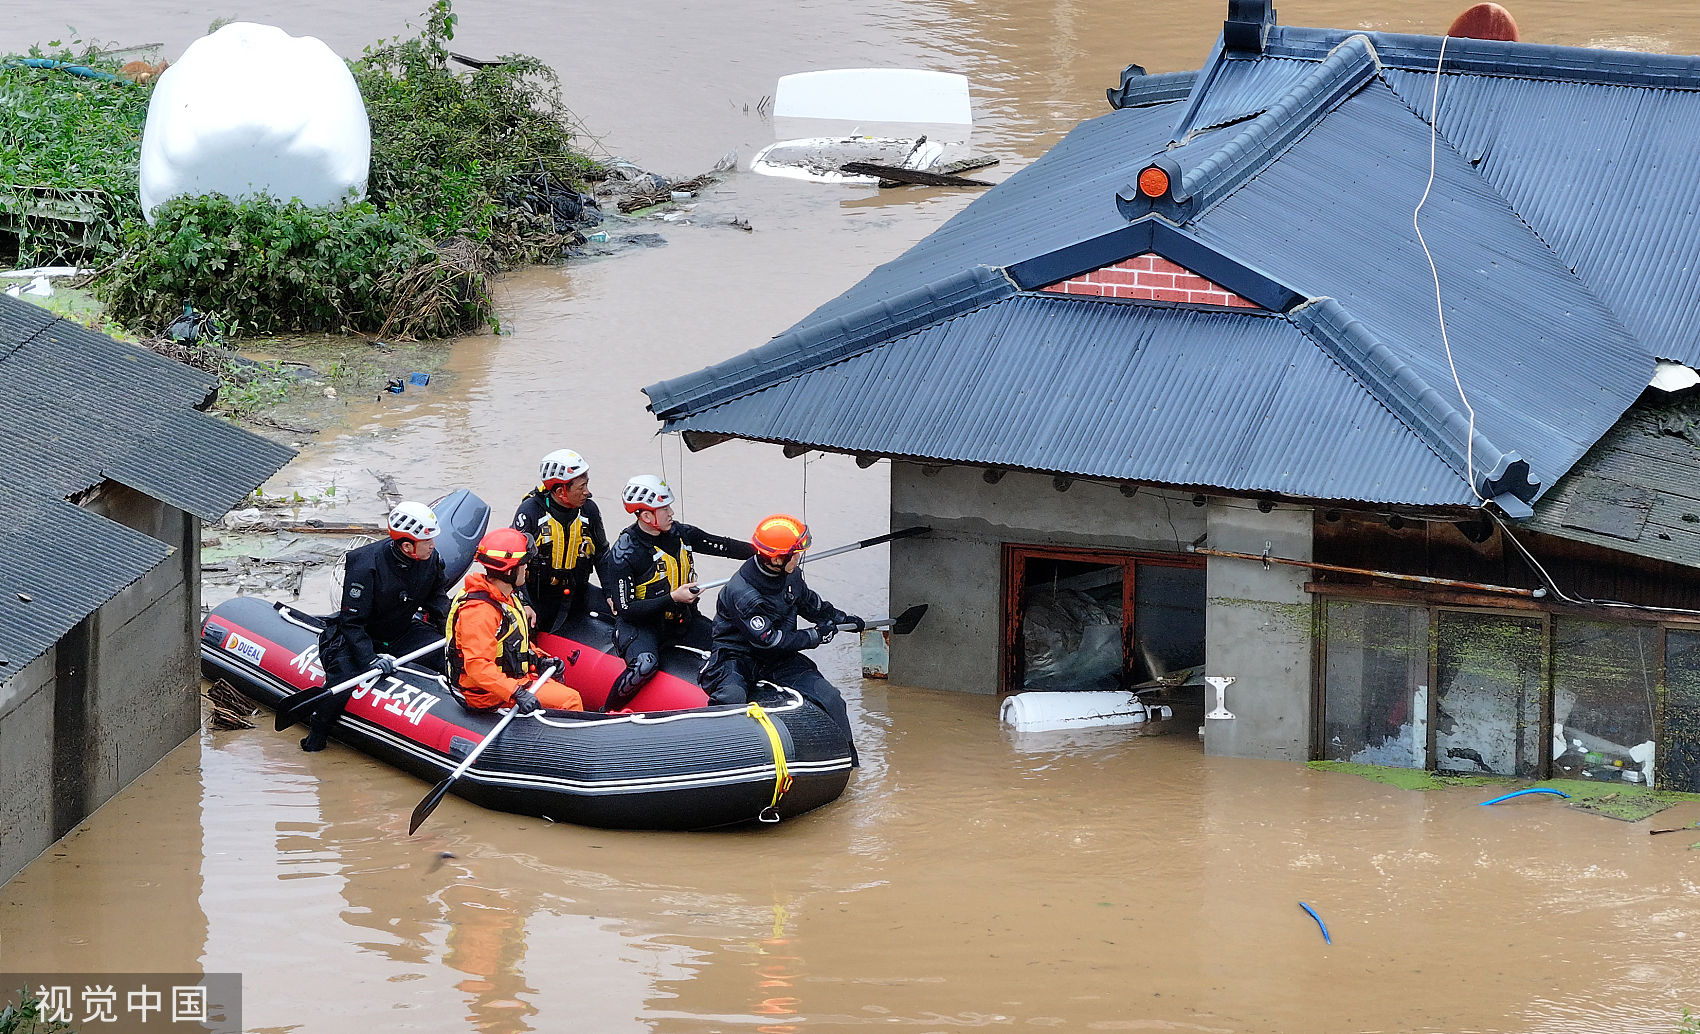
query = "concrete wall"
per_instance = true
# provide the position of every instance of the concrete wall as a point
(958, 569)
(116, 693)
(1258, 622)
(1258, 628)
(26, 765)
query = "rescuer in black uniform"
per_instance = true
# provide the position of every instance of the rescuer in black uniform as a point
(394, 600)
(568, 542)
(755, 633)
(655, 586)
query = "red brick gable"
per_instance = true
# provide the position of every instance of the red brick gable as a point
(1153, 278)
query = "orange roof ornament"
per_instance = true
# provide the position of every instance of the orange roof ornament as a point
(1485, 21)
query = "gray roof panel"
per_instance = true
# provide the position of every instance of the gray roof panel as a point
(1110, 390)
(77, 409)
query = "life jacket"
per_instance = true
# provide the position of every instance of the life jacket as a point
(566, 545)
(513, 646)
(669, 573)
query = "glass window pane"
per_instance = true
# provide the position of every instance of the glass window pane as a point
(1605, 693)
(1679, 753)
(1168, 620)
(1489, 669)
(1375, 702)
(1071, 625)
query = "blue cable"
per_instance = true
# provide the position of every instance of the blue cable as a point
(64, 66)
(1320, 924)
(1519, 793)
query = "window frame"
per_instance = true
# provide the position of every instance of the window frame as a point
(1015, 557)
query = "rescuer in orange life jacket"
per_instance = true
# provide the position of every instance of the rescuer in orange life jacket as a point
(394, 599)
(490, 660)
(655, 584)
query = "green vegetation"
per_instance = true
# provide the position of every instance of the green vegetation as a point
(69, 148)
(1625, 801)
(471, 172)
(475, 156)
(27, 1017)
(1403, 778)
(271, 267)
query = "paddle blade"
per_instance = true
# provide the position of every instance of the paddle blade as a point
(291, 709)
(907, 620)
(425, 807)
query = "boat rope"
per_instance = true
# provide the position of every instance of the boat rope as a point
(781, 774)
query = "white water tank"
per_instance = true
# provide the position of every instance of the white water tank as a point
(1035, 712)
(251, 109)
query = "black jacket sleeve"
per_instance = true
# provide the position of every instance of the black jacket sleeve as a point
(811, 606)
(604, 561)
(714, 545)
(359, 587)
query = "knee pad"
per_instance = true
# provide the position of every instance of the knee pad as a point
(644, 665)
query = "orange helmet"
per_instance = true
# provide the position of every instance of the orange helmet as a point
(503, 550)
(779, 536)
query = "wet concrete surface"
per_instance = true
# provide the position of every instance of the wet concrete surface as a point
(970, 877)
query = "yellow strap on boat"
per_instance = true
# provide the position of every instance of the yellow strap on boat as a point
(781, 774)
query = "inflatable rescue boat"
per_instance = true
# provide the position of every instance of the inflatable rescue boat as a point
(675, 764)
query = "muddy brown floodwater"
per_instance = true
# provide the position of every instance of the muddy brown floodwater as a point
(970, 877)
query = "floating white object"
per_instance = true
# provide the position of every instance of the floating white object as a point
(820, 158)
(47, 271)
(875, 95)
(38, 287)
(905, 117)
(1036, 712)
(251, 109)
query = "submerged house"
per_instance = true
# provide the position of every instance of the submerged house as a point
(107, 471)
(1188, 393)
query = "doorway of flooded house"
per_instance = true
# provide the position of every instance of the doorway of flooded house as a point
(1082, 620)
(1530, 694)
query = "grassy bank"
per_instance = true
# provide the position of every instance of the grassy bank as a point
(472, 172)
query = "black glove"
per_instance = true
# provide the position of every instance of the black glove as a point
(525, 701)
(856, 624)
(824, 633)
(384, 663)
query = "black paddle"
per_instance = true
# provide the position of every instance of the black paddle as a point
(864, 544)
(902, 624)
(435, 797)
(293, 706)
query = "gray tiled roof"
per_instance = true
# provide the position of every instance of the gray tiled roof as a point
(77, 409)
(1560, 218)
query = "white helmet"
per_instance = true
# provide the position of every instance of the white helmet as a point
(646, 492)
(562, 466)
(414, 522)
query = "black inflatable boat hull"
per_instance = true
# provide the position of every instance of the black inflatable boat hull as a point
(681, 770)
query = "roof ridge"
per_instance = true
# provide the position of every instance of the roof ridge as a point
(813, 345)
(1544, 61)
(1258, 141)
(1345, 71)
(1139, 89)
(1500, 475)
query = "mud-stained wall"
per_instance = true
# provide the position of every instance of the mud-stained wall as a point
(957, 569)
(116, 693)
(26, 765)
(1258, 628)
